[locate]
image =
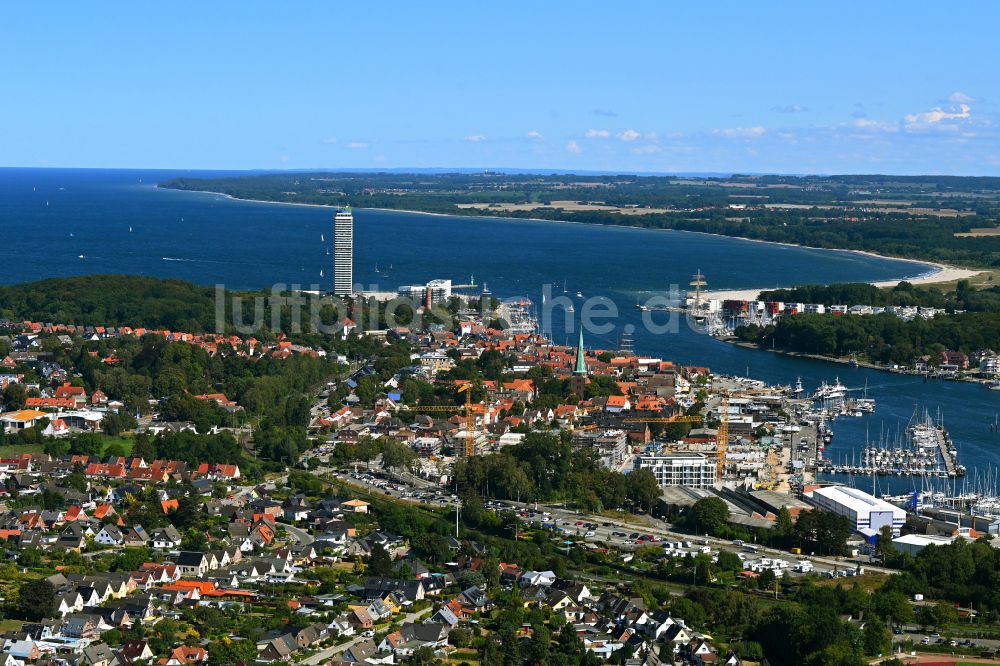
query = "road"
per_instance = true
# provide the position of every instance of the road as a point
(299, 534)
(609, 531)
(323, 655)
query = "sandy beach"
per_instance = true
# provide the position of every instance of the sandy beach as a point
(941, 273)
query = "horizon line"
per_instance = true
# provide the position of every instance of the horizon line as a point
(503, 170)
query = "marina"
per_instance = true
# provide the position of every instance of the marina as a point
(926, 450)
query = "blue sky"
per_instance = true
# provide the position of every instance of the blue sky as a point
(724, 86)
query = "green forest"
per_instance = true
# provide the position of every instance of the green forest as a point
(883, 338)
(112, 300)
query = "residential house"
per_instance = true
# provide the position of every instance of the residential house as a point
(166, 538)
(110, 535)
(99, 654)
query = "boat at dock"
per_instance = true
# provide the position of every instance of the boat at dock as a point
(833, 391)
(926, 451)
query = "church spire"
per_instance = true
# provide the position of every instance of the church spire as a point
(581, 363)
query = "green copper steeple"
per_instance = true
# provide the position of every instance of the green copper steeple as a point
(581, 364)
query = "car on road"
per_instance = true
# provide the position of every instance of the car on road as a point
(589, 533)
(619, 535)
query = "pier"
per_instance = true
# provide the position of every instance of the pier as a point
(947, 452)
(930, 454)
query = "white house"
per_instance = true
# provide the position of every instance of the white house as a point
(110, 535)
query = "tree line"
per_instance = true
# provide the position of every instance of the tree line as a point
(883, 338)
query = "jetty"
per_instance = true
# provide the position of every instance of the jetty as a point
(948, 453)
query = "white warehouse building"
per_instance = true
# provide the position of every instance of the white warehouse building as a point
(867, 513)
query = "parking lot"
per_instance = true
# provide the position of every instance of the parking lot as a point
(604, 531)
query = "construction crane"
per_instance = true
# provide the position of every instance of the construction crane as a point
(583, 428)
(469, 408)
(665, 419)
(722, 439)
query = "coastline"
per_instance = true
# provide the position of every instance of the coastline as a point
(842, 360)
(940, 272)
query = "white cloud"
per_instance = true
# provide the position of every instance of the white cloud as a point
(874, 125)
(647, 149)
(959, 97)
(474, 138)
(358, 144)
(284, 158)
(535, 134)
(936, 115)
(629, 135)
(597, 134)
(741, 132)
(789, 108)
(572, 146)
(330, 140)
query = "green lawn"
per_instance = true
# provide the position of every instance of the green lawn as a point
(9, 450)
(125, 442)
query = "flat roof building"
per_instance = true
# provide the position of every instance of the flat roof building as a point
(694, 470)
(867, 513)
(433, 293)
(911, 544)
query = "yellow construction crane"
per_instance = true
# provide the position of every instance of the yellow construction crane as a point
(722, 438)
(589, 426)
(665, 419)
(470, 408)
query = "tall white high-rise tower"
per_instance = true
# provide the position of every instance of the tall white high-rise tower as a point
(343, 252)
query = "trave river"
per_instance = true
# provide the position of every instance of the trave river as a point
(56, 222)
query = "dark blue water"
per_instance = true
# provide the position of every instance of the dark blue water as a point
(49, 218)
